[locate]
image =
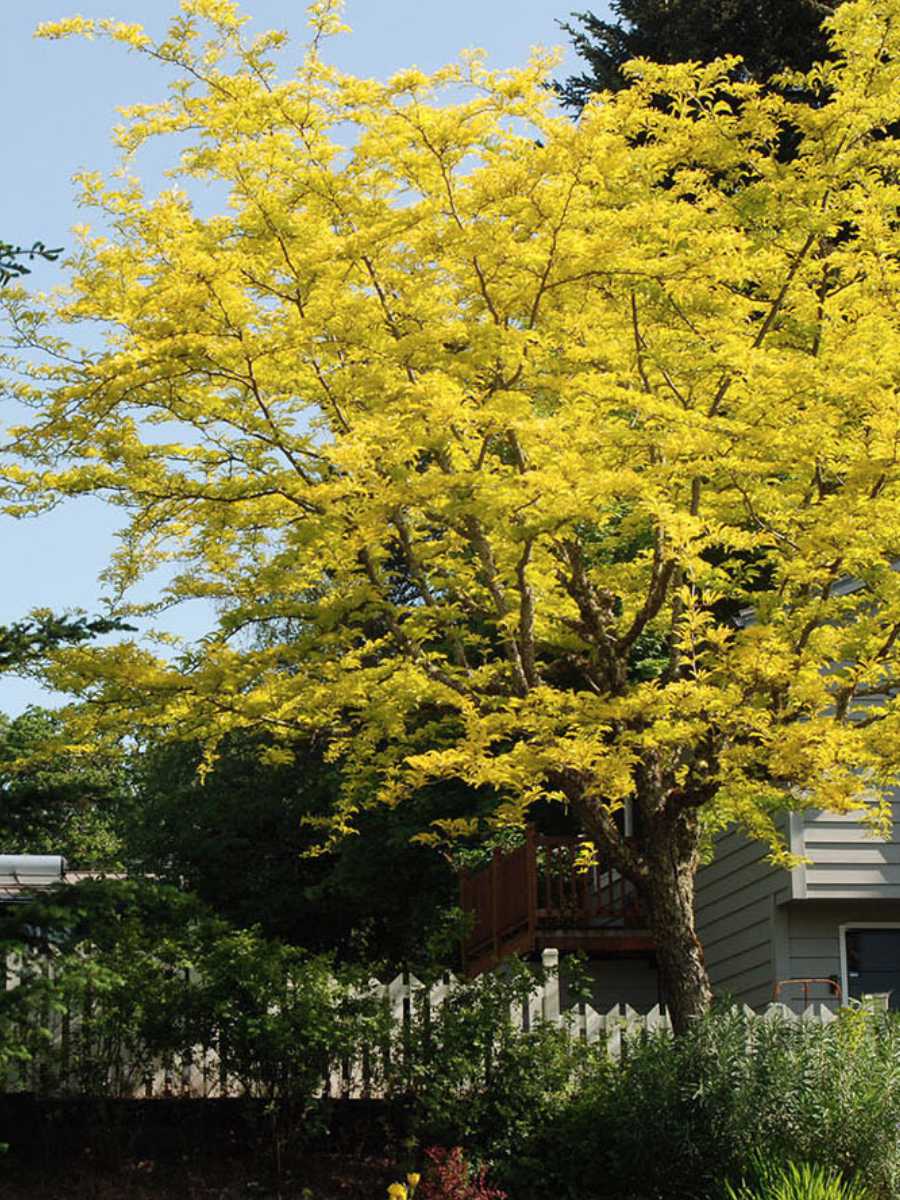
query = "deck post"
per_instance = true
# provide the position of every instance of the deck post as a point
(532, 884)
(495, 933)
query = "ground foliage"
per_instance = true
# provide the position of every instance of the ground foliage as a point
(547, 1113)
(766, 1180)
(677, 1119)
(437, 375)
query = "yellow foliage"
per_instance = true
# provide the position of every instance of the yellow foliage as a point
(496, 423)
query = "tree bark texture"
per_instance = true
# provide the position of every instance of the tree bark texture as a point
(661, 860)
(670, 850)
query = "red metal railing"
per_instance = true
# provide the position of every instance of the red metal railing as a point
(832, 986)
(536, 887)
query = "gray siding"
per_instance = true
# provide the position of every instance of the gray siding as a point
(814, 931)
(633, 981)
(846, 861)
(760, 924)
(739, 921)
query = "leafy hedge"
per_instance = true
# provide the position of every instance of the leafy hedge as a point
(677, 1119)
(117, 980)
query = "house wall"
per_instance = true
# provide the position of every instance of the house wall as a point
(740, 920)
(631, 981)
(846, 861)
(760, 924)
(814, 931)
(618, 980)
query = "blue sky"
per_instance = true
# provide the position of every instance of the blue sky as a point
(58, 107)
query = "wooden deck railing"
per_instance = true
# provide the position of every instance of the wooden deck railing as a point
(533, 889)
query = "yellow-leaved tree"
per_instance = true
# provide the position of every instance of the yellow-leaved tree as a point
(498, 424)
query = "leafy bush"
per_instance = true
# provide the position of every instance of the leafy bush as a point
(675, 1119)
(450, 1177)
(281, 1019)
(99, 971)
(475, 1078)
(795, 1181)
(116, 980)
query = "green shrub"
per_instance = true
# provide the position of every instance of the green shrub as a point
(475, 1078)
(100, 973)
(675, 1119)
(449, 1177)
(281, 1018)
(794, 1181)
(140, 974)
(120, 979)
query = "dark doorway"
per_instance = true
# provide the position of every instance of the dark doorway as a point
(873, 963)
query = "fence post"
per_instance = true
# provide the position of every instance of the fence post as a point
(550, 995)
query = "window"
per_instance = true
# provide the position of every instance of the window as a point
(872, 956)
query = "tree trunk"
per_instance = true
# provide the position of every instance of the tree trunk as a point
(667, 894)
(661, 861)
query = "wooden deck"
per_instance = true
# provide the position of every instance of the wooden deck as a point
(533, 898)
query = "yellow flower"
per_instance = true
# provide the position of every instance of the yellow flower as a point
(413, 1180)
(397, 1191)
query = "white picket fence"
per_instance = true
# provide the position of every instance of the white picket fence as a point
(404, 996)
(201, 1071)
(407, 998)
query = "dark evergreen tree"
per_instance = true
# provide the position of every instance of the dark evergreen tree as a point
(26, 642)
(238, 836)
(770, 36)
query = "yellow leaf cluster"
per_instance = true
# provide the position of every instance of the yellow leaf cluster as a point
(560, 459)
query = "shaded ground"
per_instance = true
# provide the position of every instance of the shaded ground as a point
(198, 1150)
(320, 1176)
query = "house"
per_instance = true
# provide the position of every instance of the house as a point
(836, 918)
(827, 930)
